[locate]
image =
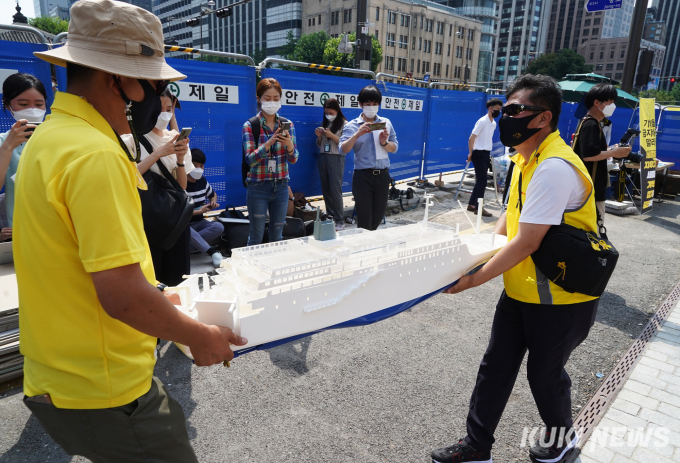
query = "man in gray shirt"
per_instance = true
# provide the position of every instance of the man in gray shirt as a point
(371, 179)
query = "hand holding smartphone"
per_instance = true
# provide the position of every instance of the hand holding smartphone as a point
(183, 134)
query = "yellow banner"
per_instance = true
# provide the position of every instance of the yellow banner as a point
(648, 149)
(648, 128)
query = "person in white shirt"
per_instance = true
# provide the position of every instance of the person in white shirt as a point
(480, 145)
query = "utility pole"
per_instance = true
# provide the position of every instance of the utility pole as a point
(633, 51)
(364, 44)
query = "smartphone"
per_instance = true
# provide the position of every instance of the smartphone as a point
(377, 125)
(183, 134)
(31, 129)
(285, 125)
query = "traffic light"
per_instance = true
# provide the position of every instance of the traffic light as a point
(672, 79)
(193, 22)
(224, 12)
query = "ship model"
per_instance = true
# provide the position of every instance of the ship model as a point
(277, 292)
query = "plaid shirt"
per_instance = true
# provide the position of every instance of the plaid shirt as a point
(258, 157)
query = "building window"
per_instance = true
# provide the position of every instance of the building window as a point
(348, 16)
(448, 53)
(377, 14)
(598, 67)
(610, 67)
(412, 63)
(418, 66)
(596, 21)
(618, 76)
(413, 46)
(601, 55)
(392, 19)
(420, 43)
(319, 20)
(406, 42)
(619, 66)
(623, 54)
(611, 54)
(586, 32)
(592, 55)
(450, 29)
(421, 22)
(596, 30)
(447, 70)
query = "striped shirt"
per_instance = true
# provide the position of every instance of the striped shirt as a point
(258, 157)
(200, 191)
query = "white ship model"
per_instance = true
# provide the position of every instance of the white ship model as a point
(276, 292)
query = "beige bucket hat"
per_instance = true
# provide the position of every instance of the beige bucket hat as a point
(114, 37)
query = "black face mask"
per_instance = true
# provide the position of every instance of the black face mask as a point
(515, 130)
(496, 113)
(144, 113)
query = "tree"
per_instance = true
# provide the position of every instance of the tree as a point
(332, 57)
(558, 65)
(52, 25)
(308, 49)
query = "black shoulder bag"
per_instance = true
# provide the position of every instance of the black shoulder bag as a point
(576, 260)
(255, 128)
(166, 207)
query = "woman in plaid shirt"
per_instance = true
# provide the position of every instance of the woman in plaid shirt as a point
(268, 158)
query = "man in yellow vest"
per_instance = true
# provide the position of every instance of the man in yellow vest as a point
(549, 185)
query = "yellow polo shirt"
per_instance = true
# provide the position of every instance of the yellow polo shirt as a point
(78, 211)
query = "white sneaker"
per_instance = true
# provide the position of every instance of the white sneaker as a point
(217, 259)
(339, 226)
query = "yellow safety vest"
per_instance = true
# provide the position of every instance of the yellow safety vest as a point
(524, 282)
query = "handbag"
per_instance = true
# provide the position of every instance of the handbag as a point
(166, 207)
(574, 259)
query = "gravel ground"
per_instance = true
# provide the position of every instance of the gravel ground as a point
(394, 390)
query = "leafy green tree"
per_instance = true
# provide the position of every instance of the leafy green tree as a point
(307, 49)
(675, 93)
(52, 25)
(558, 65)
(332, 57)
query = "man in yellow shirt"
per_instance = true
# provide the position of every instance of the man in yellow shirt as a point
(549, 185)
(90, 312)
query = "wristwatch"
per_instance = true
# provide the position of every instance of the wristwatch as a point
(386, 143)
(180, 165)
(161, 286)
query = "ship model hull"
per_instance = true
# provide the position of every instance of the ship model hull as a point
(277, 292)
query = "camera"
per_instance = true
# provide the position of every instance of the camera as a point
(627, 140)
(396, 193)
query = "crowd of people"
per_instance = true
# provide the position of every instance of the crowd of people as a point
(88, 261)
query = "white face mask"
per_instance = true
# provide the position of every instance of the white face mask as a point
(608, 110)
(370, 111)
(163, 120)
(271, 107)
(196, 173)
(330, 117)
(30, 114)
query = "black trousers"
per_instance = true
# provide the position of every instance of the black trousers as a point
(370, 188)
(481, 160)
(550, 333)
(170, 265)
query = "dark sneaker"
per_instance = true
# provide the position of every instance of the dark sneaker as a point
(486, 213)
(459, 453)
(550, 449)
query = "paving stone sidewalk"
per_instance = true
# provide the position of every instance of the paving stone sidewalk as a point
(643, 423)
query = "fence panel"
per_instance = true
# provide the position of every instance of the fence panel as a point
(452, 116)
(303, 97)
(407, 108)
(216, 100)
(18, 57)
(668, 137)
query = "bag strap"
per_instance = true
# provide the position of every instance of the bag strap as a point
(255, 128)
(164, 170)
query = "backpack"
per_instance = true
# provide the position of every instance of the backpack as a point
(255, 127)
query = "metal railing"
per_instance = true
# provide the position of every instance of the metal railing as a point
(403, 79)
(198, 51)
(28, 29)
(459, 86)
(267, 61)
(658, 122)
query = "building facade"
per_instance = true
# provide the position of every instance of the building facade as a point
(44, 7)
(417, 37)
(488, 12)
(616, 23)
(669, 11)
(655, 31)
(608, 57)
(519, 36)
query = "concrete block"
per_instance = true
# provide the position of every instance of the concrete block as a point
(650, 380)
(634, 397)
(625, 419)
(625, 406)
(640, 388)
(645, 370)
(645, 455)
(669, 378)
(663, 396)
(661, 366)
(656, 355)
(660, 419)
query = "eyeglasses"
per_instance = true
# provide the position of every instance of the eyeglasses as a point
(161, 85)
(515, 109)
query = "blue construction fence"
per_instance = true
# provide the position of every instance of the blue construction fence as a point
(432, 125)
